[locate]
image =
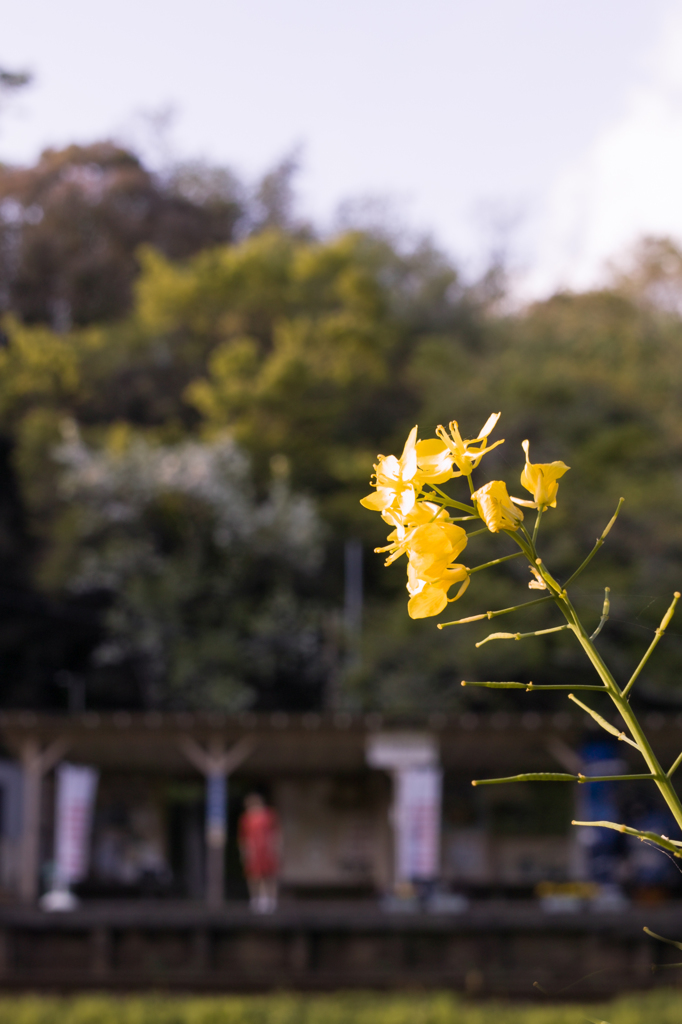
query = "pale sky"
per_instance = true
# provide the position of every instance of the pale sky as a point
(554, 125)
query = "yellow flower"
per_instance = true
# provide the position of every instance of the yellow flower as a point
(430, 597)
(467, 454)
(431, 550)
(434, 462)
(422, 513)
(495, 507)
(393, 479)
(433, 547)
(542, 480)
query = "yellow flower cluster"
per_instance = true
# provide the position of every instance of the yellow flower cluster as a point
(422, 528)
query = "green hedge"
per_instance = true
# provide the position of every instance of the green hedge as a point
(653, 1008)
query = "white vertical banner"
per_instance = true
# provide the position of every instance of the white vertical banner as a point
(75, 801)
(417, 811)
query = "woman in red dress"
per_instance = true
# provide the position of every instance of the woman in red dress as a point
(259, 842)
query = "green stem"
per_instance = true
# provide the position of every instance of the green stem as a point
(537, 563)
(552, 584)
(661, 779)
(524, 531)
(529, 687)
(604, 615)
(496, 561)
(667, 844)
(527, 548)
(447, 500)
(665, 622)
(674, 766)
(671, 942)
(500, 611)
(561, 598)
(537, 525)
(596, 547)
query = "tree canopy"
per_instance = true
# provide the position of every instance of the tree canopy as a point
(182, 456)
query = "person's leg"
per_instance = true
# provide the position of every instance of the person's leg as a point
(264, 898)
(254, 891)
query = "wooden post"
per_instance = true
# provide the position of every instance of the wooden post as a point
(35, 763)
(216, 764)
(100, 951)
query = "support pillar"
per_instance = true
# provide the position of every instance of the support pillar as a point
(35, 763)
(216, 836)
(216, 764)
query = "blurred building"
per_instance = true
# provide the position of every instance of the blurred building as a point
(380, 824)
(336, 783)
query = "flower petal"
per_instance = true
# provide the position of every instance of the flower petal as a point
(378, 500)
(430, 601)
(488, 426)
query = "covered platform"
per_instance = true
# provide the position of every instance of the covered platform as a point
(163, 903)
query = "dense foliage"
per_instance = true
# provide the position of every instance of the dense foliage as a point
(237, 344)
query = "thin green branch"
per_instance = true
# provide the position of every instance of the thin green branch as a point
(662, 781)
(665, 622)
(493, 615)
(531, 686)
(604, 723)
(477, 532)
(560, 777)
(604, 615)
(614, 778)
(521, 636)
(675, 765)
(672, 845)
(661, 938)
(524, 531)
(496, 561)
(537, 525)
(596, 547)
(548, 578)
(451, 501)
(528, 551)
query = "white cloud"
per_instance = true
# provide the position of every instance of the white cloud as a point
(628, 183)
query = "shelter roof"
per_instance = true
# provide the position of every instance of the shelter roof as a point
(317, 743)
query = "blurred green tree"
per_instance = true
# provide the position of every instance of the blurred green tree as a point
(200, 576)
(323, 352)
